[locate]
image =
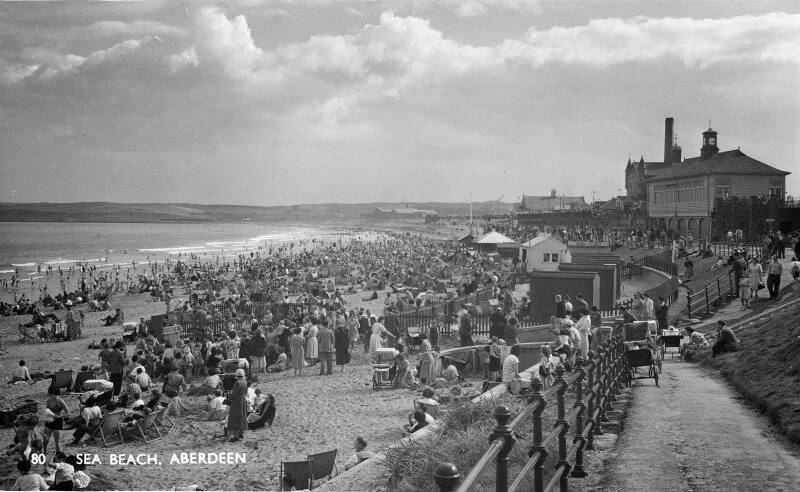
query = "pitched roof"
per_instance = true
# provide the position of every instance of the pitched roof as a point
(728, 162)
(538, 203)
(493, 237)
(541, 239)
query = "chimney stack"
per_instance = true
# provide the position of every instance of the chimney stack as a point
(668, 136)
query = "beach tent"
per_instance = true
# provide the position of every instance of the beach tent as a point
(491, 240)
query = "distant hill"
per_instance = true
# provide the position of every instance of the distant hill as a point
(188, 212)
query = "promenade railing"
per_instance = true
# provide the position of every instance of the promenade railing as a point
(597, 382)
(722, 288)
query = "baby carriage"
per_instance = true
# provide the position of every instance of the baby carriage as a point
(640, 350)
(414, 339)
(381, 368)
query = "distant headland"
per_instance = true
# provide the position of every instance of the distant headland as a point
(197, 213)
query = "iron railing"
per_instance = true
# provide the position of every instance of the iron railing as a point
(597, 382)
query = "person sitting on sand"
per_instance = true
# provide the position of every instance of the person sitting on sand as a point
(117, 318)
(360, 453)
(215, 408)
(28, 480)
(450, 375)
(209, 386)
(416, 421)
(280, 364)
(89, 420)
(21, 373)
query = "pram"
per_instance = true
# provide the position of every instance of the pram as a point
(130, 330)
(381, 366)
(414, 339)
(640, 349)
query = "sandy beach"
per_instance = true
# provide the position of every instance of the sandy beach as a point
(314, 413)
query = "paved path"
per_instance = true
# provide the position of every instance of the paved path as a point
(692, 434)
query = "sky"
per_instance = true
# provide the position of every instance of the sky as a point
(269, 102)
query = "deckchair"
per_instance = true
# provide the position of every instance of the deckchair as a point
(81, 378)
(147, 427)
(432, 410)
(109, 427)
(295, 475)
(62, 379)
(323, 465)
(164, 420)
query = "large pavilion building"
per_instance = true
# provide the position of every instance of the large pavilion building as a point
(681, 195)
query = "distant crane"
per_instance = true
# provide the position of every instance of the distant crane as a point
(491, 208)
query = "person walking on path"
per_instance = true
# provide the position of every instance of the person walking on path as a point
(774, 277)
(756, 274)
(327, 345)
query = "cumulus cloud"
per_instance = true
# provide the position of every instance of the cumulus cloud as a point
(695, 42)
(225, 43)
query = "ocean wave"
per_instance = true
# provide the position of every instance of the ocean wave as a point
(170, 249)
(23, 264)
(7, 271)
(60, 262)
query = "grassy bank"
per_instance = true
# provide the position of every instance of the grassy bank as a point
(766, 369)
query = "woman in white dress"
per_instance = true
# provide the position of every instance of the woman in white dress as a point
(375, 341)
(756, 274)
(312, 347)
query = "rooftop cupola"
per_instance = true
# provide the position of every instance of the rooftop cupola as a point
(709, 148)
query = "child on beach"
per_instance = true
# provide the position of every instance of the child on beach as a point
(547, 365)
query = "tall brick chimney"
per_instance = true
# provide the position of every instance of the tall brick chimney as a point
(668, 136)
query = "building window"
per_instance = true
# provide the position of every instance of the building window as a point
(723, 186)
(555, 257)
(776, 187)
(547, 258)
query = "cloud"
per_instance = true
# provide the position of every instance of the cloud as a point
(225, 43)
(697, 43)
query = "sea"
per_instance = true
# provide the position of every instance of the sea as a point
(28, 248)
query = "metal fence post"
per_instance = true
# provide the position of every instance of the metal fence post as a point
(689, 305)
(562, 421)
(502, 414)
(600, 382)
(589, 369)
(578, 471)
(447, 477)
(538, 467)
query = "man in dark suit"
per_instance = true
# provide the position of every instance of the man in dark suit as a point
(327, 344)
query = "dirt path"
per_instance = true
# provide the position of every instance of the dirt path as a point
(692, 434)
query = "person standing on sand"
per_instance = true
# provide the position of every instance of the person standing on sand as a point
(237, 414)
(342, 343)
(296, 344)
(116, 367)
(375, 340)
(327, 345)
(312, 345)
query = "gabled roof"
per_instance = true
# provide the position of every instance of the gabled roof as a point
(494, 237)
(538, 203)
(542, 239)
(728, 162)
